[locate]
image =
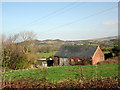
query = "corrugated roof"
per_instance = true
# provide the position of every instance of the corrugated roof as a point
(77, 51)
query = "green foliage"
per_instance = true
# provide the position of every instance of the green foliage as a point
(116, 48)
(44, 75)
(13, 57)
(18, 55)
(22, 63)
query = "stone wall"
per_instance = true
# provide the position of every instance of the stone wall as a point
(64, 62)
(98, 56)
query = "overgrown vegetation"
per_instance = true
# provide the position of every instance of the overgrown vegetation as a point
(106, 83)
(116, 49)
(17, 50)
(67, 76)
(113, 50)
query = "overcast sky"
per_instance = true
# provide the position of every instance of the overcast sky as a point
(61, 20)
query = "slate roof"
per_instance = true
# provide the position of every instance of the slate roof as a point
(76, 51)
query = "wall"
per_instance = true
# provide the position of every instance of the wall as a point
(56, 61)
(41, 63)
(73, 62)
(64, 62)
(98, 56)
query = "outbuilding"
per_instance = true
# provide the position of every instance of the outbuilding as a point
(78, 55)
(44, 62)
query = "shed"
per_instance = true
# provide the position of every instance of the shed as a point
(44, 62)
(78, 55)
(41, 62)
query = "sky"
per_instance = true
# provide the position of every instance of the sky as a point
(61, 20)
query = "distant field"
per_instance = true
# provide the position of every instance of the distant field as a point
(109, 47)
(106, 52)
(65, 73)
(44, 55)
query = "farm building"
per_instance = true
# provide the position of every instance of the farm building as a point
(78, 55)
(44, 62)
(41, 62)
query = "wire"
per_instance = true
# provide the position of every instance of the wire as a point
(59, 13)
(50, 14)
(60, 26)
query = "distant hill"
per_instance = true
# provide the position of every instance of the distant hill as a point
(105, 40)
(53, 40)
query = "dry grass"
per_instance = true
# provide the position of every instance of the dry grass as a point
(113, 60)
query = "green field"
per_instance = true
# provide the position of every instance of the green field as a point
(106, 52)
(65, 73)
(44, 55)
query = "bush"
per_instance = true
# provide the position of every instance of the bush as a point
(18, 55)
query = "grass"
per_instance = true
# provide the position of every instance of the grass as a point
(44, 55)
(68, 73)
(109, 47)
(106, 52)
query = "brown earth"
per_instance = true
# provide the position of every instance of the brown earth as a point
(108, 83)
(113, 60)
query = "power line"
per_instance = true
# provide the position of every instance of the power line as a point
(95, 14)
(60, 13)
(51, 14)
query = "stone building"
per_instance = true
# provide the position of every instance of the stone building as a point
(78, 55)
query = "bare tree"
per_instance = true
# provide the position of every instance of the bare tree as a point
(16, 53)
(27, 38)
(27, 35)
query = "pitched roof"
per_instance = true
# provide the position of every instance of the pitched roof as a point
(77, 51)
